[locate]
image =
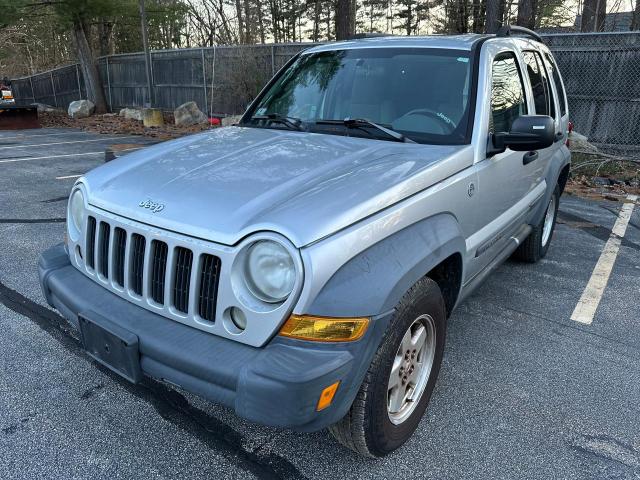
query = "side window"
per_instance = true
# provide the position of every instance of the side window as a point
(507, 93)
(542, 94)
(553, 68)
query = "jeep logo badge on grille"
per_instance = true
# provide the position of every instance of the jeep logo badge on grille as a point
(153, 206)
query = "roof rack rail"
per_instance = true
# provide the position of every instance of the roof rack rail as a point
(509, 30)
(360, 36)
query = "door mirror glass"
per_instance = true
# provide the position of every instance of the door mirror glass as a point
(528, 132)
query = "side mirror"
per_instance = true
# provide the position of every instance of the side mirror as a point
(528, 132)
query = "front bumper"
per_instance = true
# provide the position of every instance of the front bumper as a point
(277, 385)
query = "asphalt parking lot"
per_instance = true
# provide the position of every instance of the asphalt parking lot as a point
(524, 391)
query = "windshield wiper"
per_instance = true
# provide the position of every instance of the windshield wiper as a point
(363, 122)
(290, 122)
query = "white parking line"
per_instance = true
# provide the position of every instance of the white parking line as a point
(26, 136)
(68, 176)
(11, 160)
(61, 143)
(588, 304)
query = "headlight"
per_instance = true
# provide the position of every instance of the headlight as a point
(76, 209)
(270, 272)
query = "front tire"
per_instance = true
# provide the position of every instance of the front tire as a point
(398, 385)
(536, 245)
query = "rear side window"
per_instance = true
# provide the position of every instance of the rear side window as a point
(542, 95)
(553, 68)
(507, 93)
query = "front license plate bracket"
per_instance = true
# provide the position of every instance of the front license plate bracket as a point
(111, 345)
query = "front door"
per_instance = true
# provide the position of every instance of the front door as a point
(509, 183)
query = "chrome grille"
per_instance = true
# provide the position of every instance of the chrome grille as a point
(157, 272)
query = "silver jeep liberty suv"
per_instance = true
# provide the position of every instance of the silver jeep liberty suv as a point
(300, 267)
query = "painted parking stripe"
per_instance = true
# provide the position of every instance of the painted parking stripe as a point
(68, 176)
(25, 159)
(61, 143)
(588, 304)
(26, 136)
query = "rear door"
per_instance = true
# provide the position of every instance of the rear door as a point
(543, 104)
(562, 111)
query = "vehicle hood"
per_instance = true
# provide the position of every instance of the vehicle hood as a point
(224, 184)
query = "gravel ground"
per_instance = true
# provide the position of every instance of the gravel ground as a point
(524, 392)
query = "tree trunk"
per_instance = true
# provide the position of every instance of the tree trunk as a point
(104, 36)
(92, 80)
(593, 15)
(261, 29)
(526, 14)
(316, 20)
(462, 17)
(241, 36)
(495, 12)
(345, 19)
(248, 24)
(476, 12)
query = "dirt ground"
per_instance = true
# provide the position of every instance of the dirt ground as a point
(114, 124)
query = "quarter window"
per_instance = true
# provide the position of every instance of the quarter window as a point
(507, 93)
(553, 68)
(542, 96)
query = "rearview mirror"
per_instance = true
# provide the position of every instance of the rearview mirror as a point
(528, 132)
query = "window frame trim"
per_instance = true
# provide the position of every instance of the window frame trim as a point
(541, 63)
(526, 89)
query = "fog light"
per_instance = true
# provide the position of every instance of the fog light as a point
(324, 329)
(326, 397)
(238, 318)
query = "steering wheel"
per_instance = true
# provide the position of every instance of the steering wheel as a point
(443, 120)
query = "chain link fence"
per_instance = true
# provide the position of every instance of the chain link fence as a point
(601, 73)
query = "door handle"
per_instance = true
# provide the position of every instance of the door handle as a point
(559, 136)
(529, 157)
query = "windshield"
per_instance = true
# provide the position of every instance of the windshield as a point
(418, 92)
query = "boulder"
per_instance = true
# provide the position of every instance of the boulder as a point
(81, 109)
(231, 120)
(131, 114)
(43, 107)
(580, 142)
(152, 117)
(189, 114)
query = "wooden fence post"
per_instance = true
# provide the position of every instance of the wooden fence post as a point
(53, 88)
(273, 60)
(109, 83)
(78, 80)
(33, 93)
(204, 84)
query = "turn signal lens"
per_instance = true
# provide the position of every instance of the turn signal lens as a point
(324, 329)
(326, 397)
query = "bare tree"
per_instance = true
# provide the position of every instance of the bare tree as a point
(635, 22)
(593, 15)
(526, 13)
(345, 19)
(494, 15)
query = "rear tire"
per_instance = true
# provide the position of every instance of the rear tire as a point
(397, 387)
(536, 245)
